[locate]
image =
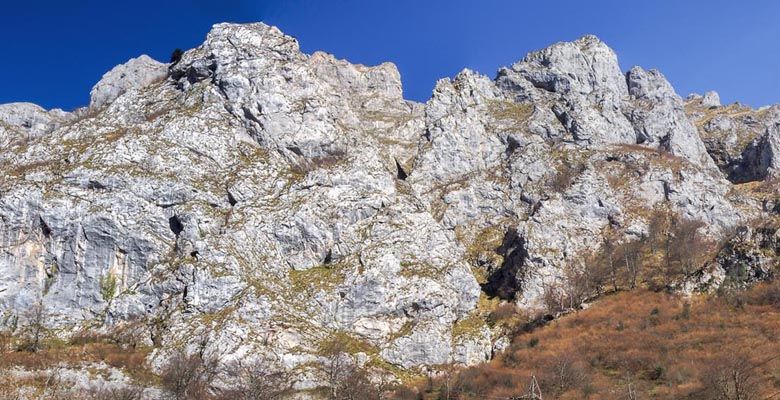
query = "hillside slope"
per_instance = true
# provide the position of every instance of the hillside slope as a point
(640, 344)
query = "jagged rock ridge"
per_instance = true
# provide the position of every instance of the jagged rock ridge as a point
(268, 199)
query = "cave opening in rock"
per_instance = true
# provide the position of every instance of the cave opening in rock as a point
(328, 258)
(175, 224)
(512, 144)
(232, 200)
(44, 228)
(95, 185)
(506, 281)
(400, 173)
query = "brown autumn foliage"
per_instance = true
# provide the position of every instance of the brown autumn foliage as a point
(255, 381)
(654, 345)
(673, 249)
(188, 376)
(50, 354)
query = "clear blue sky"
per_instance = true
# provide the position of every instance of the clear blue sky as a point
(54, 51)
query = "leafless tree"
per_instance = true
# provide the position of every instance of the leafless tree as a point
(632, 392)
(256, 381)
(346, 380)
(33, 330)
(554, 299)
(631, 253)
(734, 377)
(565, 373)
(116, 393)
(54, 387)
(608, 248)
(534, 392)
(689, 246)
(447, 376)
(188, 376)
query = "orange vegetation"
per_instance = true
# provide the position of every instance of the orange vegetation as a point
(641, 345)
(82, 350)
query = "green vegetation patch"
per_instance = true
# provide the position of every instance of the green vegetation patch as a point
(469, 327)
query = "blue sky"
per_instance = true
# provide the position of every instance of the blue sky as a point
(54, 51)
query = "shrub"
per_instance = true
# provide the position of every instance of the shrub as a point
(564, 176)
(765, 294)
(732, 377)
(565, 373)
(33, 330)
(405, 393)
(187, 377)
(108, 285)
(120, 393)
(345, 379)
(176, 56)
(257, 382)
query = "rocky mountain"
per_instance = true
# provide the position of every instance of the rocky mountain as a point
(253, 201)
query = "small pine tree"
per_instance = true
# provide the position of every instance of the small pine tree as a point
(176, 56)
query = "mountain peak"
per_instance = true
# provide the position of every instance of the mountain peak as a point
(250, 199)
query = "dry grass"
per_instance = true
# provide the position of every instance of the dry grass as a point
(80, 351)
(660, 345)
(514, 114)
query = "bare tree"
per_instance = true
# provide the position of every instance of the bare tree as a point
(188, 376)
(534, 391)
(734, 377)
(565, 373)
(631, 392)
(632, 259)
(447, 375)
(689, 248)
(116, 393)
(356, 385)
(33, 330)
(346, 380)
(337, 367)
(54, 387)
(256, 381)
(608, 248)
(554, 299)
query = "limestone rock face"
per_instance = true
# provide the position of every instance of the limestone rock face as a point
(711, 99)
(741, 141)
(583, 83)
(25, 121)
(659, 117)
(761, 158)
(253, 201)
(134, 74)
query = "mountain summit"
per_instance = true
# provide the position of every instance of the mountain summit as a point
(254, 202)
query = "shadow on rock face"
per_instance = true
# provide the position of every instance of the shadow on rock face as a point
(507, 280)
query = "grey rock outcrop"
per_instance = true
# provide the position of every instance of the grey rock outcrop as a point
(134, 74)
(582, 81)
(258, 201)
(740, 140)
(711, 99)
(761, 158)
(25, 121)
(659, 117)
